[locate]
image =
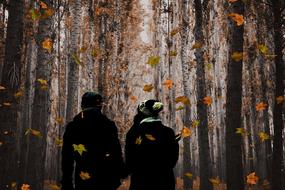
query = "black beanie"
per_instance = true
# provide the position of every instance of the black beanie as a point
(91, 99)
(151, 107)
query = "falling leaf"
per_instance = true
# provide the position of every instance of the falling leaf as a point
(173, 53)
(34, 14)
(148, 87)
(47, 13)
(280, 99)
(1, 143)
(138, 140)
(84, 175)
(25, 187)
(54, 186)
(133, 98)
(13, 185)
(182, 99)
(150, 137)
(2, 88)
(263, 49)
(196, 45)
(95, 53)
(42, 82)
(83, 49)
(175, 31)
(215, 181)
(47, 44)
(232, 1)
(43, 5)
(6, 132)
(153, 60)
(240, 130)
(7, 104)
(18, 94)
(237, 56)
(59, 142)
(33, 132)
(195, 123)
(207, 100)
(186, 132)
(263, 136)
(270, 57)
(237, 18)
(266, 183)
(189, 175)
(79, 148)
(260, 106)
(209, 66)
(252, 179)
(59, 120)
(179, 108)
(168, 83)
(76, 59)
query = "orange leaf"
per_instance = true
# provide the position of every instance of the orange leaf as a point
(47, 13)
(168, 83)
(260, 106)
(280, 99)
(148, 87)
(196, 45)
(7, 104)
(25, 187)
(237, 18)
(186, 132)
(237, 56)
(47, 44)
(215, 181)
(182, 99)
(43, 5)
(150, 137)
(2, 88)
(207, 100)
(175, 31)
(133, 98)
(84, 175)
(252, 179)
(232, 1)
(18, 94)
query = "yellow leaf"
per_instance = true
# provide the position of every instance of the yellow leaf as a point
(18, 94)
(79, 148)
(47, 44)
(34, 14)
(175, 31)
(186, 132)
(2, 88)
(14, 184)
(95, 53)
(83, 49)
(207, 100)
(195, 123)
(59, 120)
(182, 99)
(59, 142)
(180, 108)
(173, 53)
(252, 179)
(209, 66)
(153, 60)
(263, 136)
(260, 106)
(237, 18)
(150, 137)
(280, 99)
(168, 83)
(263, 49)
(237, 56)
(138, 140)
(76, 59)
(84, 175)
(25, 187)
(148, 87)
(196, 45)
(240, 130)
(42, 82)
(215, 181)
(43, 5)
(7, 104)
(54, 187)
(189, 175)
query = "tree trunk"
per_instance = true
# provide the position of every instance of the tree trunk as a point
(277, 172)
(234, 167)
(11, 81)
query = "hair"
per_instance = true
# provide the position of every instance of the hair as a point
(91, 99)
(151, 107)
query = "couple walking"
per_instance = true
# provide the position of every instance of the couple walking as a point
(92, 155)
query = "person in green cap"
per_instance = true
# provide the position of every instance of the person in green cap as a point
(151, 150)
(91, 153)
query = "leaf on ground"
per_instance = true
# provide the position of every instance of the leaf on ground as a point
(252, 179)
(80, 148)
(148, 87)
(237, 18)
(153, 60)
(84, 175)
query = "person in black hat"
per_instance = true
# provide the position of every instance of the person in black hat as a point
(91, 153)
(151, 150)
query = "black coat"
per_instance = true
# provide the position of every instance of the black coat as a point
(151, 154)
(102, 159)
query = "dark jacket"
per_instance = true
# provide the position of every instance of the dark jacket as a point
(151, 154)
(102, 160)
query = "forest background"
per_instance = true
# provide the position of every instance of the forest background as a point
(218, 67)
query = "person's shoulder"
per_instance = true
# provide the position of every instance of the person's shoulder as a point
(168, 130)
